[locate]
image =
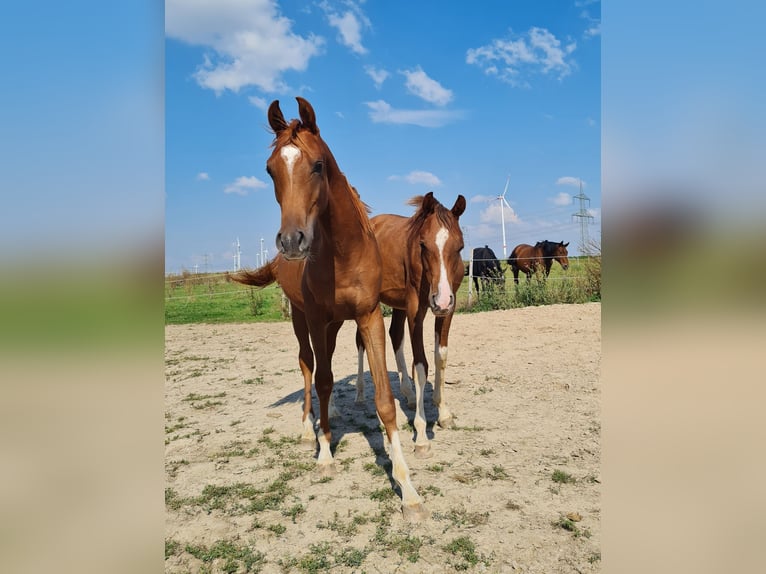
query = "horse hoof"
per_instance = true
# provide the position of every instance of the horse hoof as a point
(415, 513)
(423, 451)
(447, 422)
(324, 471)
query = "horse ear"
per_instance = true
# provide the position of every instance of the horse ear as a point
(564, 244)
(459, 207)
(276, 119)
(308, 118)
(428, 203)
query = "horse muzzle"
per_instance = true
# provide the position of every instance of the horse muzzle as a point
(438, 309)
(293, 245)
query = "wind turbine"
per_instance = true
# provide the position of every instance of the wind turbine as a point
(502, 213)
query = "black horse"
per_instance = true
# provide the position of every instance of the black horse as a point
(487, 268)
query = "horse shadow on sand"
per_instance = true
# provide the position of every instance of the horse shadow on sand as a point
(356, 418)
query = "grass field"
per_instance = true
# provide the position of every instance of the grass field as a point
(210, 298)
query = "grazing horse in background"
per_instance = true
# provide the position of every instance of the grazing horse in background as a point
(486, 267)
(529, 259)
(324, 222)
(422, 269)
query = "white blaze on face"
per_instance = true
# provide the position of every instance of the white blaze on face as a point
(290, 154)
(444, 289)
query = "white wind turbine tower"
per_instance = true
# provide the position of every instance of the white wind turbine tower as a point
(504, 203)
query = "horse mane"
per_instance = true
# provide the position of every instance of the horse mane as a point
(292, 135)
(416, 222)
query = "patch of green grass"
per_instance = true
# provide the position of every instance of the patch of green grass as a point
(562, 477)
(346, 529)
(317, 560)
(407, 546)
(171, 547)
(567, 524)
(234, 556)
(463, 548)
(382, 494)
(497, 473)
(294, 511)
(256, 381)
(374, 469)
(191, 397)
(351, 557)
(438, 467)
(486, 452)
(278, 528)
(462, 518)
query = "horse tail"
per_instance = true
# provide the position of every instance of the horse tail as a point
(261, 277)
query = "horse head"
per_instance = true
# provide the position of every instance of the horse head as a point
(298, 166)
(560, 254)
(437, 240)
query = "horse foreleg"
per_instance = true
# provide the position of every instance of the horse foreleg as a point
(323, 382)
(373, 334)
(396, 333)
(441, 332)
(306, 362)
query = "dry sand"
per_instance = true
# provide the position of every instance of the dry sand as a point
(525, 389)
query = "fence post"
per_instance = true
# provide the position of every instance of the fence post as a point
(470, 280)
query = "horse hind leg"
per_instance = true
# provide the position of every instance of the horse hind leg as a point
(396, 332)
(422, 444)
(360, 370)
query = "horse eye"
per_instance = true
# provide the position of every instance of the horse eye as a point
(317, 167)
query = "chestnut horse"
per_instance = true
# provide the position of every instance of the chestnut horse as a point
(411, 250)
(529, 259)
(422, 269)
(324, 222)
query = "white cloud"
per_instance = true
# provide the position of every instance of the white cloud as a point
(251, 43)
(382, 112)
(562, 198)
(481, 198)
(569, 180)
(242, 185)
(203, 176)
(492, 214)
(378, 76)
(419, 84)
(537, 51)
(259, 103)
(418, 177)
(594, 30)
(349, 28)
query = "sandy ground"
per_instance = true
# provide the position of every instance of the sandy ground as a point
(525, 389)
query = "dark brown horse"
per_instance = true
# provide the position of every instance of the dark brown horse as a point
(422, 270)
(529, 259)
(325, 223)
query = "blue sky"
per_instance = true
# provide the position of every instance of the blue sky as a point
(411, 97)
